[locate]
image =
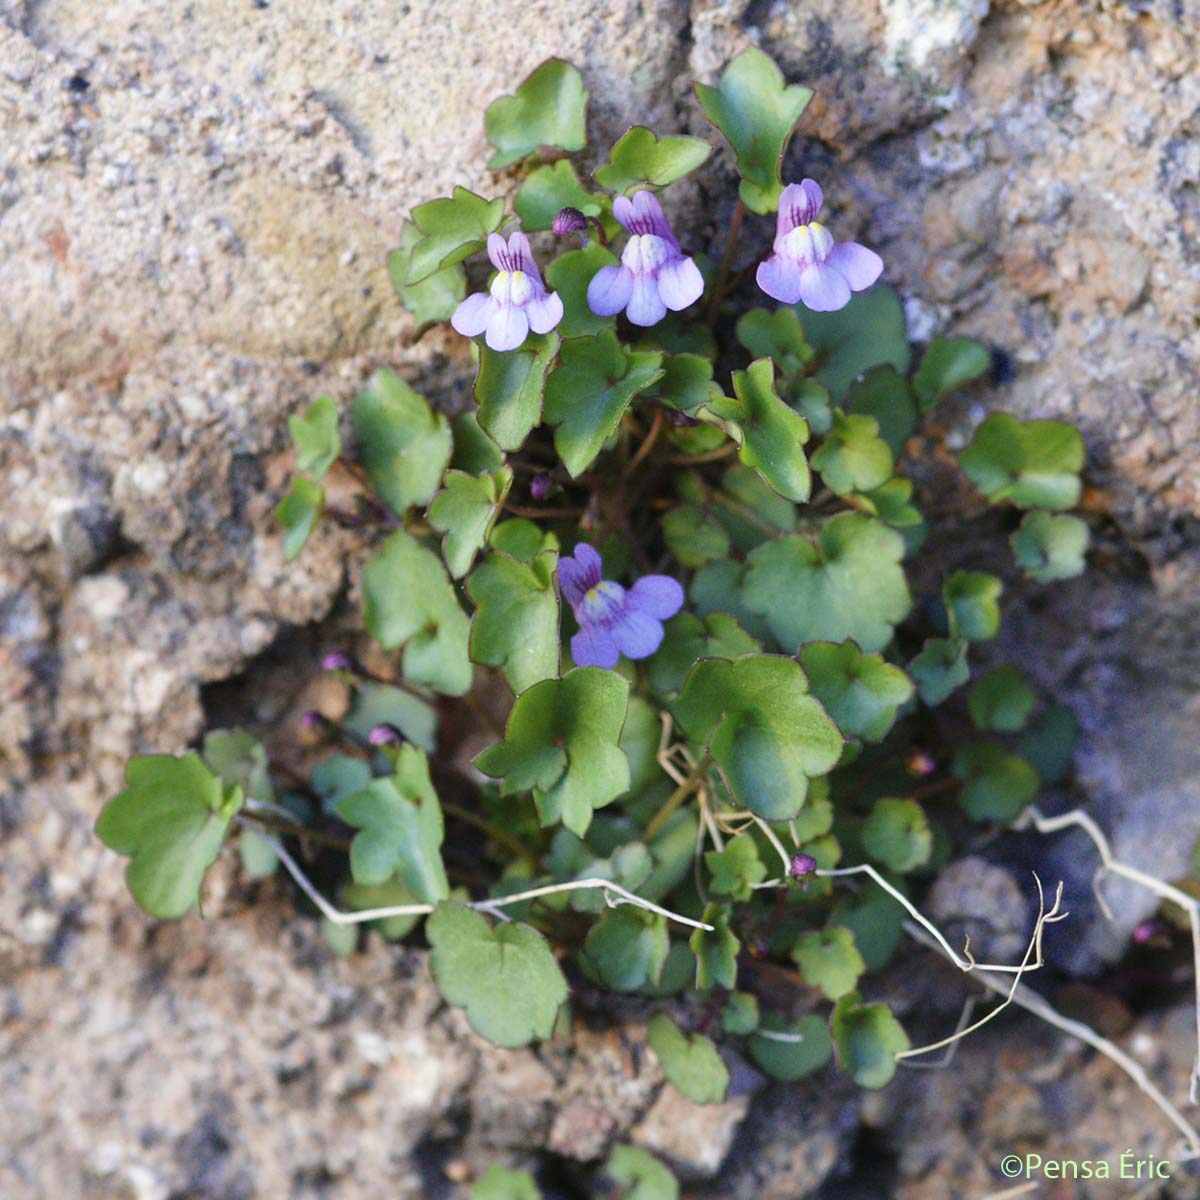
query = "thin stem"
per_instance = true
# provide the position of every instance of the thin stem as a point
(690, 783)
(691, 460)
(506, 840)
(521, 510)
(646, 446)
(294, 828)
(735, 226)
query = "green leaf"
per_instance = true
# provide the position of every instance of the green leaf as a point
(868, 1038)
(1000, 701)
(510, 389)
(868, 332)
(436, 296)
(474, 451)
(691, 1064)
(451, 229)
(687, 382)
(562, 743)
(170, 822)
(639, 741)
(506, 978)
(972, 605)
(401, 823)
(735, 868)
(404, 445)
(876, 920)
(240, 759)
(939, 669)
(716, 951)
(775, 335)
(546, 110)
(259, 859)
(756, 110)
(765, 733)
(588, 393)
(521, 538)
(996, 785)
(897, 834)
(342, 940)
(640, 1176)
(812, 401)
(628, 946)
(503, 1183)
(853, 458)
(693, 537)
(770, 436)
(411, 603)
(569, 275)
(315, 436)
(717, 587)
(829, 960)
(883, 393)
(947, 365)
(848, 583)
(515, 626)
(1033, 465)
(1049, 743)
(549, 189)
(1050, 546)
(687, 638)
(298, 512)
(640, 159)
(740, 1014)
(790, 1060)
(339, 776)
(860, 691)
(361, 896)
(381, 704)
(465, 511)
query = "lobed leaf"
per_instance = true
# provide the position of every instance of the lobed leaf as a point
(315, 436)
(861, 692)
(437, 295)
(547, 109)
(451, 228)
(1050, 546)
(1033, 465)
(640, 159)
(691, 1063)
(298, 512)
(465, 511)
(867, 1038)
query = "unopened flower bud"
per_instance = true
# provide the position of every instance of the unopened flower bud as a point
(384, 735)
(314, 720)
(540, 485)
(802, 865)
(1145, 932)
(337, 661)
(569, 221)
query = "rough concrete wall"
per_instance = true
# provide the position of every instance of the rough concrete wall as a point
(195, 203)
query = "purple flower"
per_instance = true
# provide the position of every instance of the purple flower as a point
(654, 274)
(808, 265)
(384, 735)
(612, 620)
(518, 302)
(802, 865)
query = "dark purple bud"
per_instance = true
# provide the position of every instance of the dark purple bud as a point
(314, 720)
(802, 864)
(337, 662)
(540, 485)
(681, 419)
(1145, 932)
(920, 763)
(569, 221)
(385, 735)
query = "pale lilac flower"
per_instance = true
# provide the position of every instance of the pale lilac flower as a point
(808, 265)
(384, 735)
(613, 620)
(518, 302)
(654, 274)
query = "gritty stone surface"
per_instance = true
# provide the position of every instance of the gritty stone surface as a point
(195, 206)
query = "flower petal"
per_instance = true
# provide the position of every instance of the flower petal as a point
(637, 634)
(799, 204)
(623, 211)
(593, 647)
(472, 315)
(507, 327)
(680, 284)
(650, 218)
(610, 290)
(822, 289)
(521, 256)
(857, 265)
(498, 252)
(578, 573)
(657, 596)
(645, 305)
(779, 277)
(544, 312)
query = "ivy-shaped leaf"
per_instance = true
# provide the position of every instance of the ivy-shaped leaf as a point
(766, 734)
(589, 391)
(807, 1049)
(735, 868)
(505, 978)
(504, 1183)
(775, 335)
(404, 445)
(465, 511)
(1033, 465)
(972, 605)
(1000, 701)
(381, 704)
(562, 742)
(770, 435)
(829, 960)
(628, 947)
(298, 512)
(740, 1014)
(686, 383)
(510, 388)
(939, 669)
(868, 1038)
(883, 393)
(716, 950)
(996, 785)
(688, 638)
(401, 823)
(640, 159)
(1050, 546)
(848, 583)
(691, 1064)
(640, 1176)
(853, 457)
(897, 834)
(436, 296)
(1049, 742)
(548, 109)
(170, 822)
(947, 365)
(315, 436)
(549, 189)
(474, 452)
(860, 691)
(693, 537)
(411, 603)
(451, 228)
(866, 333)
(515, 626)
(756, 110)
